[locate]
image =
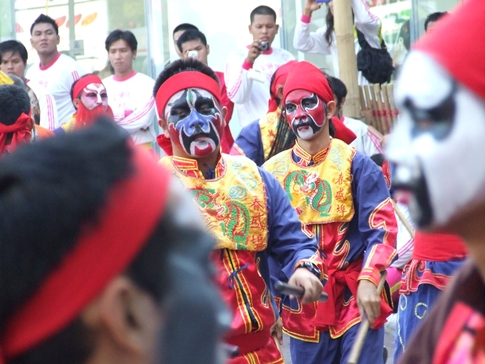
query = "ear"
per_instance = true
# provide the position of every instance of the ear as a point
(331, 109)
(277, 28)
(134, 54)
(75, 102)
(127, 317)
(208, 49)
(164, 126)
(58, 40)
(343, 101)
(249, 28)
(279, 92)
(224, 114)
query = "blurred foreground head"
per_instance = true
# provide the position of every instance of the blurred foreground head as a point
(438, 144)
(104, 257)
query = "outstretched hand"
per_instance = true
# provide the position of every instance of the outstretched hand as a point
(302, 277)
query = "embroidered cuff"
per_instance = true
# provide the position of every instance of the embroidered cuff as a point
(370, 274)
(247, 66)
(306, 19)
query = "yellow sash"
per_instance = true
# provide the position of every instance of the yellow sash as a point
(320, 193)
(233, 205)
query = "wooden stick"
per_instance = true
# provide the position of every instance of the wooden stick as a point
(364, 327)
(403, 219)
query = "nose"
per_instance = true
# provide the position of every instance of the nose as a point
(99, 99)
(300, 114)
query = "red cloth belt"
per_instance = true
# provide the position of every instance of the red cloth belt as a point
(438, 247)
(338, 280)
(250, 342)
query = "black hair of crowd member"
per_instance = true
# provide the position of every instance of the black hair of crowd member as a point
(14, 100)
(338, 88)
(433, 17)
(118, 34)
(42, 18)
(190, 35)
(179, 66)
(262, 10)
(378, 159)
(13, 46)
(184, 26)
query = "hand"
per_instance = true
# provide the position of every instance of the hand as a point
(277, 330)
(310, 283)
(310, 6)
(368, 300)
(253, 52)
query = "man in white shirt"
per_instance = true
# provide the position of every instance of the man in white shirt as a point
(129, 92)
(249, 69)
(13, 61)
(56, 72)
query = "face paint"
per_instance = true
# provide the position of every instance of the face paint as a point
(437, 144)
(195, 121)
(305, 112)
(94, 95)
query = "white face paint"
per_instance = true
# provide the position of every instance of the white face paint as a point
(438, 143)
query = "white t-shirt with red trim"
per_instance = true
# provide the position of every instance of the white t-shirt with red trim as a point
(56, 79)
(248, 84)
(131, 99)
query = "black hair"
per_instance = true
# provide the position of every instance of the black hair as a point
(190, 35)
(49, 192)
(378, 159)
(182, 65)
(13, 46)
(14, 100)
(330, 21)
(338, 88)
(262, 10)
(44, 19)
(118, 34)
(433, 17)
(183, 26)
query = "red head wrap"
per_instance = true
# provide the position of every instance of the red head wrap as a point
(134, 208)
(279, 79)
(455, 43)
(305, 76)
(21, 132)
(82, 83)
(182, 81)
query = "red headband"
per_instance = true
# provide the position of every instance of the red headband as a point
(305, 76)
(279, 80)
(182, 81)
(132, 211)
(21, 130)
(82, 83)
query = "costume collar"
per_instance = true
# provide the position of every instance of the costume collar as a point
(303, 158)
(190, 167)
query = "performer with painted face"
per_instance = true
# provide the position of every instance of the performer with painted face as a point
(342, 199)
(437, 147)
(90, 99)
(244, 208)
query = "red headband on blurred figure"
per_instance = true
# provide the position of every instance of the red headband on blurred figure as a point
(21, 132)
(279, 80)
(132, 211)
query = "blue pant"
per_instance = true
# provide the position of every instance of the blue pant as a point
(337, 351)
(412, 310)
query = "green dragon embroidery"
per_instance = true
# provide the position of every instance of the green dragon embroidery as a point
(317, 192)
(233, 216)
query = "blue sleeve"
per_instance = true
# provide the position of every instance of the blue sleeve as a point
(374, 223)
(249, 141)
(287, 244)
